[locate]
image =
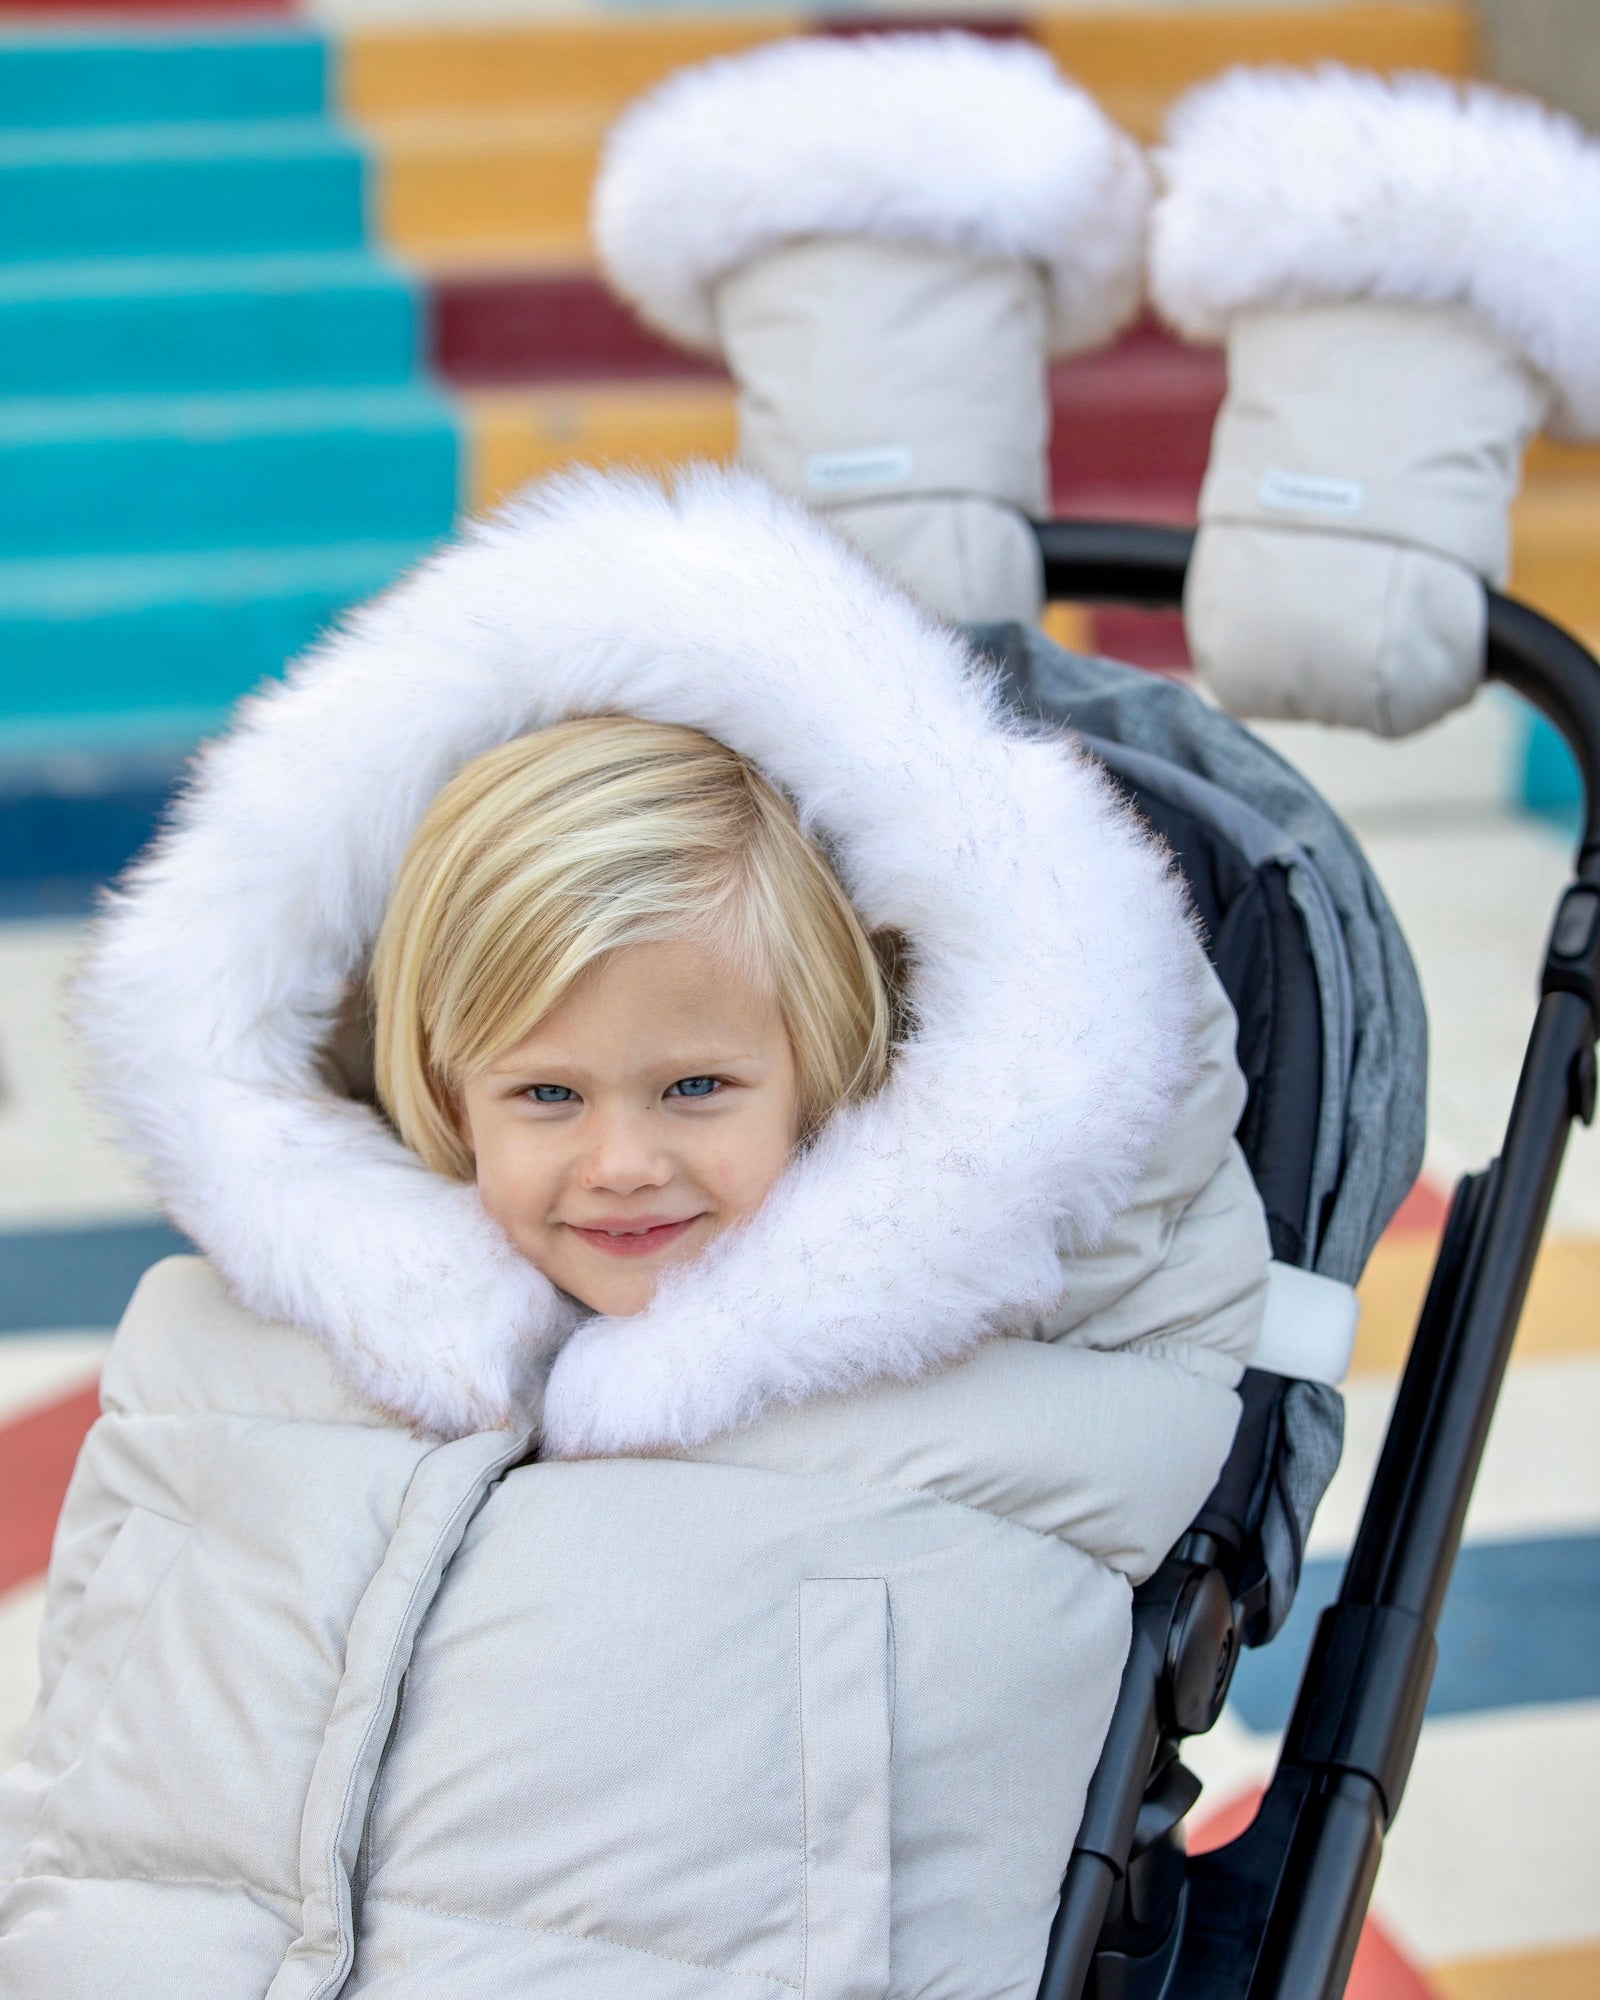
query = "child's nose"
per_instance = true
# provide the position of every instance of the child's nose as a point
(626, 1155)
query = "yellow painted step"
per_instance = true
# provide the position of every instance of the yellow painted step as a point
(1136, 61)
(1137, 56)
(1555, 558)
(487, 138)
(488, 187)
(397, 72)
(515, 436)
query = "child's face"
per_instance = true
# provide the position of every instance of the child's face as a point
(651, 1110)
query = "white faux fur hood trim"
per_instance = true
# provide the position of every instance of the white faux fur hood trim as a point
(947, 139)
(1285, 188)
(1053, 984)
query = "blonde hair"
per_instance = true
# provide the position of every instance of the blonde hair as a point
(543, 856)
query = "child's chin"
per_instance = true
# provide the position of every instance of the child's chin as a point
(625, 1289)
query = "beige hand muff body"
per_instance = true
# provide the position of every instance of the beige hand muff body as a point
(1356, 503)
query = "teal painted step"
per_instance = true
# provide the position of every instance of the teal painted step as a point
(90, 644)
(180, 190)
(166, 326)
(109, 76)
(129, 475)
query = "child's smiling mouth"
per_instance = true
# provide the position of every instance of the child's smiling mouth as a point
(641, 1236)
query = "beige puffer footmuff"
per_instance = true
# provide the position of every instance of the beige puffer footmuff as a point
(686, 1706)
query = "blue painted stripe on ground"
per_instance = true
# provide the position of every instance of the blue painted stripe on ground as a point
(80, 1276)
(37, 898)
(53, 838)
(1521, 1627)
(116, 77)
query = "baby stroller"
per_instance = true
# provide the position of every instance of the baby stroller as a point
(1332, 1043)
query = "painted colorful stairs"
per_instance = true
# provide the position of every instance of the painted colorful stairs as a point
(276, 303)
(217, 426)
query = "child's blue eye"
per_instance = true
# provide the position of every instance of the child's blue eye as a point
(550, 1093)
(694, 1086)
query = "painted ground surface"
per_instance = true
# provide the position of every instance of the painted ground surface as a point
(1491, 1886)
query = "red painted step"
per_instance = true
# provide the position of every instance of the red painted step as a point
(1152, 639)
(1137, 414)
(554, 326)
(156, 8)
(997, 27)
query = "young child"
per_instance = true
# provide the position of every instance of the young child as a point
(654, 1513)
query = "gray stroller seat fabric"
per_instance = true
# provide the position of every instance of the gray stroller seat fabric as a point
(1164, 741)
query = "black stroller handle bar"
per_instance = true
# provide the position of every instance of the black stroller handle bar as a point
(1131, 562)
(1276, 1913)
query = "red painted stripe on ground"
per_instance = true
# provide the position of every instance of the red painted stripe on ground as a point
(1381, 1970)
(1423, 1211)
(37, 1454)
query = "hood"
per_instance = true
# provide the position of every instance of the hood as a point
(1052, 980)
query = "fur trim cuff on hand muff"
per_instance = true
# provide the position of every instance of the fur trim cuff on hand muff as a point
(1285, 188)
(1053, 975)
(945, 140)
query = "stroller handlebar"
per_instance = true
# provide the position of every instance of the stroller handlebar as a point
(1134, 562)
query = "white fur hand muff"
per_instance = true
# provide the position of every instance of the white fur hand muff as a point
(1407, 278)
(886, 238)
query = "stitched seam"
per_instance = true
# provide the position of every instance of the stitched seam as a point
(917, 1493)
(345, 1955)
(285, 1896)
(577, 1937)
(86, 1734)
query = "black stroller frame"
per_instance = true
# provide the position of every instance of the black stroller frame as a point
(1277, 1912)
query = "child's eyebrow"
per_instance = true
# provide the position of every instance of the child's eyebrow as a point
(690, 1062)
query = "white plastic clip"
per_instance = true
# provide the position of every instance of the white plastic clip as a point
(1308, 1331)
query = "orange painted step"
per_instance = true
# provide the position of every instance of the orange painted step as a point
(1136, 61)
(514, 436)
(1569, 1972)
(398, 72)
(487, 187)
(1555, 558)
